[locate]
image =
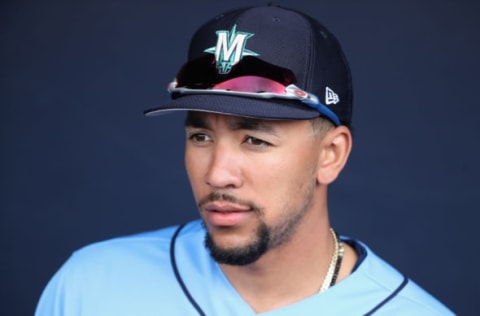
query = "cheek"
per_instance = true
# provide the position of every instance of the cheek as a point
(286, 178)
(188, 162)
(194, 166)
(291, 167)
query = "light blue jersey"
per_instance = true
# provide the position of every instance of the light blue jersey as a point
(169, 272)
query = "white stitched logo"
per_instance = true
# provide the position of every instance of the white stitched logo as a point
(230, 49)
(331, 97)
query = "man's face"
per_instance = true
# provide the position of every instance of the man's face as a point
(253, 180)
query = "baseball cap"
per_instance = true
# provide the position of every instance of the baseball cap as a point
(266, 62)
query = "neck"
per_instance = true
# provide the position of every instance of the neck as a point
(274, 280)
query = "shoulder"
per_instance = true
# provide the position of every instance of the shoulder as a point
(390, 291)
(100, 278)
(124, 247)
(136, 245)
(118, 256)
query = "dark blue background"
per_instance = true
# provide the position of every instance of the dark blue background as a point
(80, 163)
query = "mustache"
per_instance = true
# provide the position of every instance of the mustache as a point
(218, 196)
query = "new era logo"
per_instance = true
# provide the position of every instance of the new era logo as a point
(331, 97)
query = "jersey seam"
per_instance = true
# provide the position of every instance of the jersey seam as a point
(390, 297)
(177, 272)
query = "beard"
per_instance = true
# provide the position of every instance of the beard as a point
(264, 237)
(240, 255)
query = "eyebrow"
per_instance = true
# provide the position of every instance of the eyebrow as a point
(196, 120)
(250, 124)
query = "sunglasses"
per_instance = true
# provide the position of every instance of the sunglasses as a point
(251, 77)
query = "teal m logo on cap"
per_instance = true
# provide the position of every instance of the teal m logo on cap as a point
(230, 49)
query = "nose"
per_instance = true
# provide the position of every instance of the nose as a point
(224, 168)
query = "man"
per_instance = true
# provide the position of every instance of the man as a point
(268, 97)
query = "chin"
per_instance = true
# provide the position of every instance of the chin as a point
(236, 253)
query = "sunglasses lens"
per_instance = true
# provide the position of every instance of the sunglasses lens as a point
(251, 84)
(201, 73)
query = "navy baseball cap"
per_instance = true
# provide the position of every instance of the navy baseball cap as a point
(265, 62)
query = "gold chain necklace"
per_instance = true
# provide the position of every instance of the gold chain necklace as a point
(332, 273)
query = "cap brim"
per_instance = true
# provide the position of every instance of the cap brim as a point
(275, 109)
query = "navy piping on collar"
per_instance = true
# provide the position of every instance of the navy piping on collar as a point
(202, 313)
(390, 297)
(177, 273)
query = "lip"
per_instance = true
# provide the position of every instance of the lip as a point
(226, 214)
(225, 207)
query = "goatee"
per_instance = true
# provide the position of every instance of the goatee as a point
(240, 256)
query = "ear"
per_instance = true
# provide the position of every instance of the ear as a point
(335, 149)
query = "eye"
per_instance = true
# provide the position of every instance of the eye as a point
(257, 142)
(199, 138)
